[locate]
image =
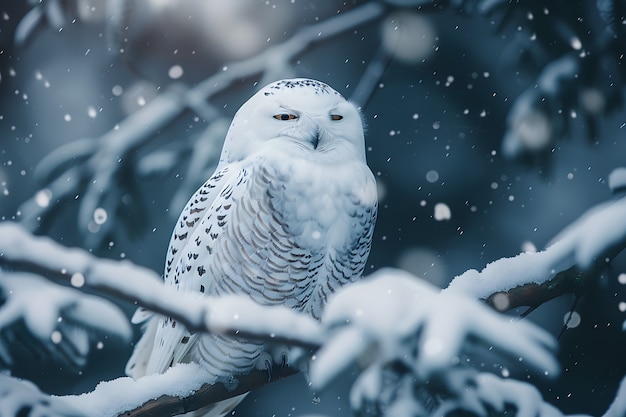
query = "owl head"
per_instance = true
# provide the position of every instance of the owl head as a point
(305, 114)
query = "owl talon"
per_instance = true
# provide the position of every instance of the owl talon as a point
(268, 368)
(281, 357)
(264, 363)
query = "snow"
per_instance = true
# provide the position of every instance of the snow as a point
(595, 233)
(528, 129)
(280, 323)
(175, 72)
(358, 319)
(16, 396)
(586, 241)
(526, 399)
(442, 212)
(233, 314)
(555, 73)
(41, 304)
(507, 273)
(618, 407)
(617, 179)
(113, 398)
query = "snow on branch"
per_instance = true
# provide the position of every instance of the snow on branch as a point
(534, 120)
(234, 315)
(94, 171)
(490, 392)
(126, 281)
(183, 388)
(618, 407)
(401, 329)
(63, 320)
(388, 321)
(23, 398)
(530, 279)
(396, 327)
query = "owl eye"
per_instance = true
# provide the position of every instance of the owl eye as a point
(285, 116)
(336, 117)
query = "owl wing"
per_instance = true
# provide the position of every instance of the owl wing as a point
(240, 246)
(146, 350)
(346, 263)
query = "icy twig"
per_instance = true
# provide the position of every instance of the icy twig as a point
(535, 119)
(202, 161)
(370, 80)
(50, 12)
(97, 171)
(283, 53)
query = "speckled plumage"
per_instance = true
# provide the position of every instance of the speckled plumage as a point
(287, 218)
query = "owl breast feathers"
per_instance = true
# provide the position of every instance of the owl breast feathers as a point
(286, 219)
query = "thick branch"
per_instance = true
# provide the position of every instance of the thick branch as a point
(570, 281)
(168, 405)
(530, 279)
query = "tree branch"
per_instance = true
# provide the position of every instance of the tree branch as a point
(579, 253)
(169, 405)
(236, 316)
(570, 281)
(232, 315)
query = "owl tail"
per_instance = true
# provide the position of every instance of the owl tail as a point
(219, 409)
(138, 363)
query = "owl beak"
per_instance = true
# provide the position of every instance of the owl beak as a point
(316, 139)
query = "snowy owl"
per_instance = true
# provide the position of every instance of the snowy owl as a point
(287, 218)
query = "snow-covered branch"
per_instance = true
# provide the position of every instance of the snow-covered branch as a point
(389, 321)
(431, 329)
(180, 389)
(568, 264)
(405, 332)
(234, 315)
(62, 320)
(618, 407)
(23, 398)
(128, 282)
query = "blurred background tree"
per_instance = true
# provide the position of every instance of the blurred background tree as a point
(491, 125)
